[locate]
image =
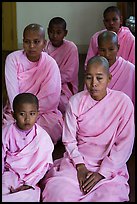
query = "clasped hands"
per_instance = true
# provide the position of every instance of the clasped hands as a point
(87, 179)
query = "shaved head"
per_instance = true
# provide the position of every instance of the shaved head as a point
(25, 98)
(58, 20)
(108, 36)
(98, 60)
(34, 27)
(111, 9)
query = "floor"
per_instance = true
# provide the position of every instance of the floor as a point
(59, 147)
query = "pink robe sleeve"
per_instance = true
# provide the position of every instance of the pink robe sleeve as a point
(131, 47)
(67, 59)
(69, 135)
(127, 44)
(122, 148)
(70, 66)
(50, 89)
(11, 78)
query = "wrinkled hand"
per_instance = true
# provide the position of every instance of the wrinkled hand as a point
(91, 180)
(21, 188)
(82, 173)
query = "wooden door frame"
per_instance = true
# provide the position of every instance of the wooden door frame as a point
(9, 26)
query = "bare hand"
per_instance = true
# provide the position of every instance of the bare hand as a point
(91, 180)
(82, 173)
(20, 188)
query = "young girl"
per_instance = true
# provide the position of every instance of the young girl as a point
(65, 53)
(122, 71)
(26, 152)
(126, 40)
(32, 70)
(98, 135)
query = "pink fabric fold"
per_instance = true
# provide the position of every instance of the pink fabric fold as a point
(41, 78)
(123, 77)
(26, 159)
(67, 59)
(99, 134)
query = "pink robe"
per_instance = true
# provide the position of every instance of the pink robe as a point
(126, 41)
(99, 134)
(123, 77)
(67, 59)
(41, 78)
(25, 160)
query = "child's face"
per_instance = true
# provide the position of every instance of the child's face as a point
(56, 34)
(26, 115)
(96, 80)
(112, 21)
(109, 50)
(33, 44)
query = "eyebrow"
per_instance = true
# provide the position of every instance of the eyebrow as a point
(96, 74)
(30, 39)
(25, 111)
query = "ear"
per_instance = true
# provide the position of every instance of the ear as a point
(45, 42)
(109, 77)
(66, 32)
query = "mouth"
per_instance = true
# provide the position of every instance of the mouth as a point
(32, 52)
(93, 91)
(27, 125)
(112, 29)
(56, 43)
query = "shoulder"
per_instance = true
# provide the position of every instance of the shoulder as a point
(125, 31)
(14, 54)
(43, 138)
(70, 45)
(6, 130)
(122, 99)
(48, 59)
(41, 130)
(78, 97)
(127, 64)
(75, 103)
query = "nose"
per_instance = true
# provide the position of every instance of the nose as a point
(54, 35)
(111, 22)
(32, 44)
(94, 82)
(27, 118)
(106, 53)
